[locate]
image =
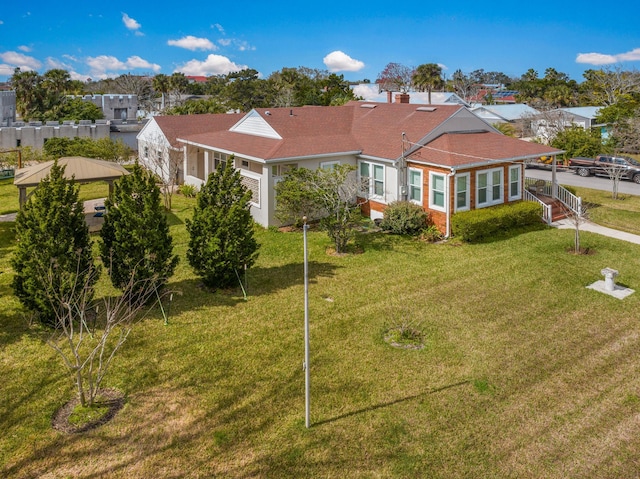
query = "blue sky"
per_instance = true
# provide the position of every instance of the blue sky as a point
(357, 39)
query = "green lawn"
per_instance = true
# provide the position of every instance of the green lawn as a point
(621, 213)
(526, 373)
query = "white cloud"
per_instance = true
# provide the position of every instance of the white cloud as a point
(606, 59)
(225, 42)
(6, 70)
(244, 46)
(54, 63)
(24, 48)
(19, 60)
(137, 62)
(340, 61)
(193, 43)
(105, 66)
(131, 24)
(213, 65)
(218, 27)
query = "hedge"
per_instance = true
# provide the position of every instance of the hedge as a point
(476, 225)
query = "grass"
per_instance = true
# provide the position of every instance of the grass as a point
(621, 213)
(527, 373)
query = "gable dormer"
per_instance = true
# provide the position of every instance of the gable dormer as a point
(256, 125)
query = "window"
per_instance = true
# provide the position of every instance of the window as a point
(437, 191)
(253, 185)
(146, 152)
(329, 165)
(219, 159)
(489, 187)
(372, 178)
(462, 192)
(514, 182)
(415, 185)
(281, 170)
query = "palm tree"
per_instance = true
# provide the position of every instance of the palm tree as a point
(427, 77)
(161, 84)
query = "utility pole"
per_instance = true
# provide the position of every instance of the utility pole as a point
(306, 365)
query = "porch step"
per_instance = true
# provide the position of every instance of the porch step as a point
(557, 211)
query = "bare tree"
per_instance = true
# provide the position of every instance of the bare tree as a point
(87, 337)
(546, 125)
(616, 172)
(609, 84)
(165, 162)
(577, 218)
(395, 77)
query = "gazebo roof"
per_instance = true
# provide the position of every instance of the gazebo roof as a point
(82, 169)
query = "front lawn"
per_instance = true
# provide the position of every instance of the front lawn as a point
(622, 213)
(525, 373)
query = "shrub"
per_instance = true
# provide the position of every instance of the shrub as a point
(476, 225)
(431, 234)
(135, 237)
(221, 231)
(404, 217)
(53, 251)
(187, 190)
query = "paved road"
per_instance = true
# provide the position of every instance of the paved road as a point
(568, 177)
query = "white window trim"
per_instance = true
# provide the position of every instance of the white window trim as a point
(467, 177)
(421, 185)
(254, 176)
(519, 195)
(372, 181)
(329, 164)
(433, 206)
(490, 186)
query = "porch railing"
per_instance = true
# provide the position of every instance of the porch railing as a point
(545, 208)
(568, 199)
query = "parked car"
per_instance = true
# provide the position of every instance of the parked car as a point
(602, 165)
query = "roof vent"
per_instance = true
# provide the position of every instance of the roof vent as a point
(267, 113)
(368, 105)
(426, 108)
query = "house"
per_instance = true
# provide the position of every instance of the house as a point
(371, 92)
(442, 157)
(549, 123)
(518, 114)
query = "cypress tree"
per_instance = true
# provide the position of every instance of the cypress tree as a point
(135, 237)
(53, 254)
(221, 241)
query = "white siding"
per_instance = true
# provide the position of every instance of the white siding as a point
(254, 124)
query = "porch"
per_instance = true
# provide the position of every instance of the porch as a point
(556, 202)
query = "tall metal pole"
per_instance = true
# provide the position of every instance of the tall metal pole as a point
(307, 378)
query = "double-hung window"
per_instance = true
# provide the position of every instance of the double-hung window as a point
(437, 191)
(415, 185)
(489, 190)
(515, 190)
(372, 179)
(462, 192)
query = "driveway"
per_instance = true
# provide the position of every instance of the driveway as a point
(568, 177)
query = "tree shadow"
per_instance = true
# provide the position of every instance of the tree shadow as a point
(377, 241)
(172, 219)
(258, 281)
(391, 403)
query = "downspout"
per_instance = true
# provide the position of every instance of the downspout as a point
(448, 208)
(402, 173)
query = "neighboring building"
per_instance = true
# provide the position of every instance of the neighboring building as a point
(519, 115)
(36, 133)
(371, 92)
(444, 157)
(7, 107)
(486, 96)
(549, 123)
(113, 106)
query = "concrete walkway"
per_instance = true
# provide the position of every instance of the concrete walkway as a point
(602, 230)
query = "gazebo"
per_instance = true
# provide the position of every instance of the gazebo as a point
(83, 170)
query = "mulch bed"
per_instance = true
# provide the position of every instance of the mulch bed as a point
(110, 397)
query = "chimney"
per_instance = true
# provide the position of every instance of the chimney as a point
(402, 98)
(389, 96)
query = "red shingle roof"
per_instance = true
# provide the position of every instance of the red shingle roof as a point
(459, 149)
(374, 130)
